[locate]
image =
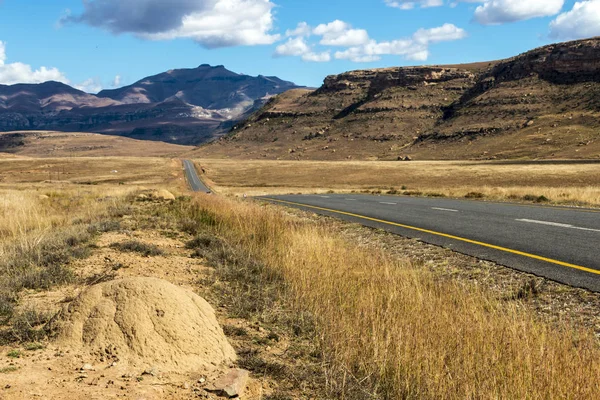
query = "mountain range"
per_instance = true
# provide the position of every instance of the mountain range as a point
(184, 106)
(542, 104)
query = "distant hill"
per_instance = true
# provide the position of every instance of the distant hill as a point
(542, 104)
(185, 106)
(48, 97)
(81, 144)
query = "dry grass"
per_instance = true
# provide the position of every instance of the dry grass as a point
(568, 183)
(45, 224)
(39, 236)
(81, 144)
(33, 214)
(89, 171)
(37, 195)
(397, 329)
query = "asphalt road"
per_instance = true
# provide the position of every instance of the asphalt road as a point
(562, 244)
(192, 178)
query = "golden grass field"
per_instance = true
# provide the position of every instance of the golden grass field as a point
(53, 172)
(561, 183)
(397, 329)
(82, 144)
(37, 195)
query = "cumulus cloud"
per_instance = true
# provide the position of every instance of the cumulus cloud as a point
(297, 47)
(494, 12)
(303, 29)
(444, 33)
(293, 47)
(415, 48)
(373, 51)
(340, 33)
(11, 73)
(92, 85)
(359, 46)
(583, 21)
(211, 23)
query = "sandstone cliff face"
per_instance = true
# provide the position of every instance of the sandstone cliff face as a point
(543, 103)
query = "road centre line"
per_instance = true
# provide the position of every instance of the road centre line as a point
(458, 238)
(557, 224)
(391, 204)
(443, 209)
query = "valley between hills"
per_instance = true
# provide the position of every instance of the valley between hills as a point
(105, 250)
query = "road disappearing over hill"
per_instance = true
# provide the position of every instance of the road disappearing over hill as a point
(192, 178)
(562, 244)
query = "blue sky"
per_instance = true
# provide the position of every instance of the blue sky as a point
(109, 43)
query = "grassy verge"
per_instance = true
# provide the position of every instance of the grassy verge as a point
(399, 331)
(41, 236)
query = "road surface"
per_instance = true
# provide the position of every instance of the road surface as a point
(559, 243)
(192, 177)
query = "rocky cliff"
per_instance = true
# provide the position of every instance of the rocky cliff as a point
(544, 103)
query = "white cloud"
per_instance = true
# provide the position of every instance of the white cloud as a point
(415, 48)
(359, 46)
(583, 21)
(494, 12)
(444, 33)
(373, 51)
(410, 4)
(11, 73)
(297, 47)
(91, 85)
(211, 23)
(340, 33)
(303, 29)
(293, 47)
(116, 82)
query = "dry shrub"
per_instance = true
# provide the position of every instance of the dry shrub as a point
(398, 330)
(135, 246)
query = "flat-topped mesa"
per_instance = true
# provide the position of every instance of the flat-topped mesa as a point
(381, 79)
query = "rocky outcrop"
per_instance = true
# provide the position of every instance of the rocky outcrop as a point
(561, 64)
(376, 81)
(531, 99)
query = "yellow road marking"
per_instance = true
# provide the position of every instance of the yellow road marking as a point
(414, 228)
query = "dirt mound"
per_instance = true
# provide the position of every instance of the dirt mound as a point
(162, 195)
(146, 322)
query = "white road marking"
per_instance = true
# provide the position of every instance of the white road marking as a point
(557, 224)
(326, 197)
(351, 199)
(444, 209)
(391, 204)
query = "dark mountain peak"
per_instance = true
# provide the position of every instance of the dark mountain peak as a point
(210, 87)
(40, 90)
(189, 103)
